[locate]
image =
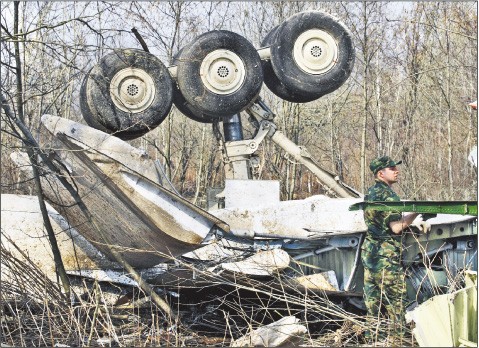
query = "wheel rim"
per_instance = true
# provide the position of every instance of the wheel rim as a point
(132, 90)
(222, 72)
(315, 51)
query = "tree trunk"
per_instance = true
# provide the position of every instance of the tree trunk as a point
(199, 172)
(32, 155)
(448, 111)
(365, 102)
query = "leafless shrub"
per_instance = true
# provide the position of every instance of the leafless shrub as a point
(35, 312)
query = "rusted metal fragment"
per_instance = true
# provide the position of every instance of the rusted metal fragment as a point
(118, 183)
(284, 331)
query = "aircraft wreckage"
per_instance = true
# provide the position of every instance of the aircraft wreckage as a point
(129, 208)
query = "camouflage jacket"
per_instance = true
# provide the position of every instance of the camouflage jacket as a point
(378, 221)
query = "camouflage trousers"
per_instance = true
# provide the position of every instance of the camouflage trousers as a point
(384, 285)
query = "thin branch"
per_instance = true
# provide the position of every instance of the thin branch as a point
(432, 26)
(140, 40)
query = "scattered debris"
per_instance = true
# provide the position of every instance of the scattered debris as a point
(319, 281)
(281, 332)
(262, 263)
(22, 222)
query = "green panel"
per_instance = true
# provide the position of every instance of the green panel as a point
(448, 320)
(432, 207)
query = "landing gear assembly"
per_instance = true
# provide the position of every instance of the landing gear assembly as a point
(217, 75)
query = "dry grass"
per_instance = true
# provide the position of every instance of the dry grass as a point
(35, 312)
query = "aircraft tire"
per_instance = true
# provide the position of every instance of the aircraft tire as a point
(182, 104)
(274, 83)
(127, 94)
(312, 54)
(219, 74)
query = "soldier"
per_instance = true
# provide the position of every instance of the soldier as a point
(384, 282)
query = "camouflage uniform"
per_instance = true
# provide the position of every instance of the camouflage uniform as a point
(384, 282)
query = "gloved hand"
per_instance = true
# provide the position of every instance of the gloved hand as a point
(424, 226)
(421, 225)
(427, 216)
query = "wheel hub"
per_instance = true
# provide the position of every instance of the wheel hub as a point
(315, 51)
(132, 90)
(222, 71)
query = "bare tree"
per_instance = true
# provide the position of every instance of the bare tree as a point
(368, 32)
(394, 89)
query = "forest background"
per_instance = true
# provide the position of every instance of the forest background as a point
(407, 97)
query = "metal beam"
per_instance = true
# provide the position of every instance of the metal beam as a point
(431, 207)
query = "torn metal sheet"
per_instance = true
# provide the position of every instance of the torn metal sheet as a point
(310, 218)
(286, 331)
(107, 275)
(219, 251)
(118, 183)
(448, 320)
(263, 263)
(318, 281)
(22, 226)
(132, 213)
